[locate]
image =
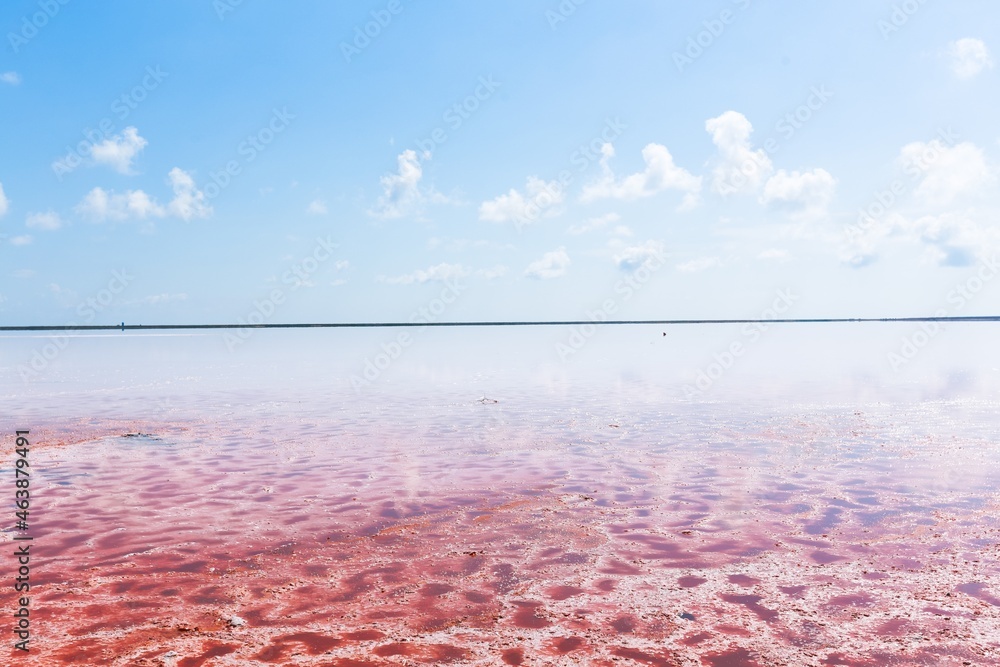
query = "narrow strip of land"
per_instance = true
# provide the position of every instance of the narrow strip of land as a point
(530, 323)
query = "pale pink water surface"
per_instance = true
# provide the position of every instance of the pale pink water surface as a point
(506, 512)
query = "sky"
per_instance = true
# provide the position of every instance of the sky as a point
(223, 161)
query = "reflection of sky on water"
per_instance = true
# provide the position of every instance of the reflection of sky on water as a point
(809, 481)
(797, 361)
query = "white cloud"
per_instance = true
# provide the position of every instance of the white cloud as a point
(952, 236)
(440, 272)
(633, 257)
(739, 168)
(969, 57)
(188, 202)
(13, 78)
(317, 207)
(953, 239)
(700, 264)
(774, 254)
(552, 265)
(401, 192)
(99, 204)
(4, 202)
(497, 271)
(946, 173)
(21, 240)
(859, 258)
(342, 264)
(118, 151)
(863, 240)
(63, 295)
(660, 174)
(542, 198)
(48, 221)
(807, 193)
(591, 224)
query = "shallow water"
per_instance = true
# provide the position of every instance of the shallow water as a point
(486, 503)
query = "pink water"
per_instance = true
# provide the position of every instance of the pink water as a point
(564, 523)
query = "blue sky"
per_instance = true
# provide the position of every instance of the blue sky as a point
(470, 161)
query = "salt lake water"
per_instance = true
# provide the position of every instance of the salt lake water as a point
(625, 495)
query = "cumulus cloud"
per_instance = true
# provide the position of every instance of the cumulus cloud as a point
(4, 202)
(951, 233)
(954, 238)
(864, 238)
(539, 198)
(497, 271)
(99, 204)
(806, 194)
(401, 191)
(739, 168)
(945, 172)
(12, 78)
(440, 273)
(48, 221)
(969, 57)
(700, 264)
(118, 151)
(316, 207)
(859, 259)
(632, 257)
(552, 265)
(21, 240)
(660, 174)
(188, 202)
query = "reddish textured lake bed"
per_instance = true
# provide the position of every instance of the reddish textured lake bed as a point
(521, 532)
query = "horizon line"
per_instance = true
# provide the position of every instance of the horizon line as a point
(389, 325)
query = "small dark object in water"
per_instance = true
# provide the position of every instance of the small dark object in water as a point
(487, 400)
(686, 616)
